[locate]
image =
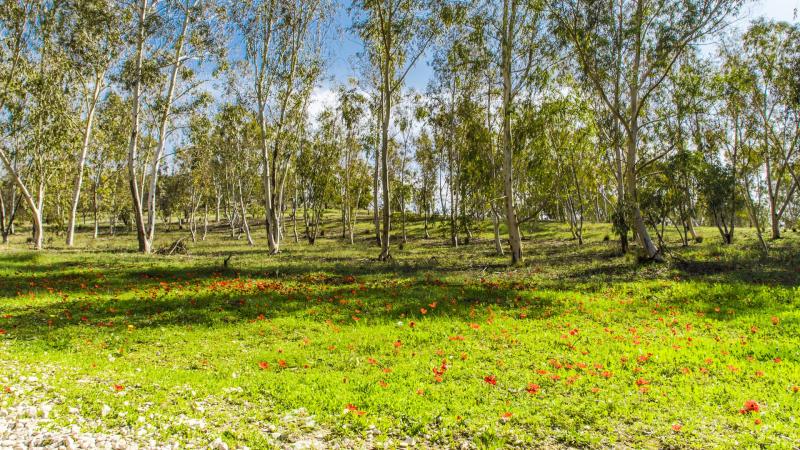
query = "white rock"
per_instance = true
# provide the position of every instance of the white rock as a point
(219, 444)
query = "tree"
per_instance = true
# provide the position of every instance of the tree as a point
(634, 44)
(397, 33)
(772, 50)
(95, 45)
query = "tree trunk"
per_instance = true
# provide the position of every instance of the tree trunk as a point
(514, 238)
(385, 122)
(87, 139)
(133, 143)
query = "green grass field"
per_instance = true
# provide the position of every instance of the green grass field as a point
(442, 347)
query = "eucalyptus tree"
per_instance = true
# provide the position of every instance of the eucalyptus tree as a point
(625, 49)
(569, 135)
(235, 148)
(194, 34)
(732, 134)
(282, 43)
(196, 162)
(397, 34)
(95, 43)
(106, 162)
(35, 102)
(523, 57)
(425, 158)
(318, 187)
(351, 108)
(772, 51)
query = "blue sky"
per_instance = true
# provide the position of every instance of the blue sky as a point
(343, 52)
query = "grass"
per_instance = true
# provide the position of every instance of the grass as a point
(578, 348)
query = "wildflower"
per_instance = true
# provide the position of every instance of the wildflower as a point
(263, 365)
(533, 388)
(750, 406)
(491, 379)
(677, 427)
(353, 409)
(119, 387)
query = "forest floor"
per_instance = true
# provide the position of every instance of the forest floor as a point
(322, 346)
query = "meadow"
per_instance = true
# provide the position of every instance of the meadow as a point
(323, 346)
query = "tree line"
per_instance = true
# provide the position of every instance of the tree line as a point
(651, 115)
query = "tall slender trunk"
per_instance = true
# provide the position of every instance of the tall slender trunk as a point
(245, 225)
(133, 143)
(514, 238)
(87, 139)
(498, 245)
(177, 63)
(632, 151)
(385, 121)
(95, 208)
(205, 220)
(376, 196)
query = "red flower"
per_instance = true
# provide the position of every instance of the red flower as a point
(642, 382)
(795, 389)
(282, 363)
(423, 311)
(353, 409)
(2, 331)
(777, 360)
(491, 379)
(750, 406)
(398, 344)
(775, 320)
(533, 388)
(677, 427)
(263, 365)
(758, 421)
(119, 387)
(506, 416)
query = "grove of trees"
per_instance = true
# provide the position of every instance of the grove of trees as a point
(651, 115)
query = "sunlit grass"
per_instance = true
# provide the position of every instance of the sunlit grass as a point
(586, 347)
